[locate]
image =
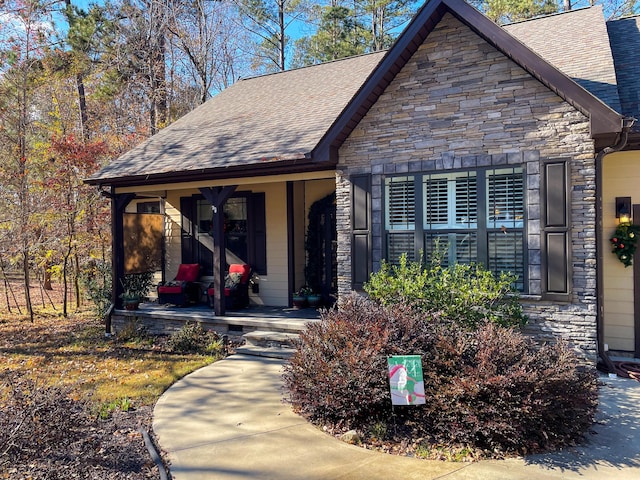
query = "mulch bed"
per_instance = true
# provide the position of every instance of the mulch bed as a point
(47, 434)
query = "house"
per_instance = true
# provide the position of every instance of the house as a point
(510, 144)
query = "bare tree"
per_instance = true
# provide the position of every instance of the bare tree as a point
(203, 31)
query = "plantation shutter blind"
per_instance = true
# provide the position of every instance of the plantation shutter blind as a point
(401, 210)
(505, 244)
(506, 198)
(466, 201)
(437, 202)
(400, 217)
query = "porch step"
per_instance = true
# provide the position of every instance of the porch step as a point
(268, 352)
(260, 338)
(268, 344)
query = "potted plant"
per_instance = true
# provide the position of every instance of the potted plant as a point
(300, 297)
(314, 300)
(136, 286)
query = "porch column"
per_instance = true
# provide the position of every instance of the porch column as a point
(217, 197)
(118, 205)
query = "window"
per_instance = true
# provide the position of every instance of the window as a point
(244, 226)
(477, 215)
(148, 207)
(400, 216)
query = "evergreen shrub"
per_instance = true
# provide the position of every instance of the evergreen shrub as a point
(467, 294)
(193, 338)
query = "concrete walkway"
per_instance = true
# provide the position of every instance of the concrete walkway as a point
(228, 421)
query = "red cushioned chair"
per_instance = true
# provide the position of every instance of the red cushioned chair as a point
(182, 290)
(236, 287)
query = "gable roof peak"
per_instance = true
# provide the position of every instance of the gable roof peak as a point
(605, 122)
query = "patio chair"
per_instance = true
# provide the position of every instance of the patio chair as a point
(182, 290)
(236, 287)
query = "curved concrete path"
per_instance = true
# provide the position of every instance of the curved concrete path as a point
(228, 421)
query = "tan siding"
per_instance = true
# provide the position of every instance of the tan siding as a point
(274, 288)
(621, 176)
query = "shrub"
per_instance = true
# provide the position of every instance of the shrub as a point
(338, 373)
(133, 332)
(491, 388)
(508, 395)
(192, 338)
(97, 280)
(467, 294)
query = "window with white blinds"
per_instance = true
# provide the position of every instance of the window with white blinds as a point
(505, 198)
(400, 217)
(401, 203)
(450, 201)
(477, 216)
(506, 254)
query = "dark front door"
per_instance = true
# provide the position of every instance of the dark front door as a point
(321, 270)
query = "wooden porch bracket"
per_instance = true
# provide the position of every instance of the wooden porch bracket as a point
(217, 197)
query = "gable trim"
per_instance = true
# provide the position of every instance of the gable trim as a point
(605, 123)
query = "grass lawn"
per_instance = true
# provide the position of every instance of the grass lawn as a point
(74, 352)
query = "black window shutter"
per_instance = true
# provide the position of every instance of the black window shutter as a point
(360, 230)
(258, 235)
(556, 232)
(187, 209)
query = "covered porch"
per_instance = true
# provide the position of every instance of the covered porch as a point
(261, 222)
(260, 330)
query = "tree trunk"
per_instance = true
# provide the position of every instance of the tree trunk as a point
(281, 25)
(76, 279)
(27, 286)
(158, 77)
(82, 103)
(47, 278)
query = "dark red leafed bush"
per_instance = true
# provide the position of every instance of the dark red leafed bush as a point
(491, 388)
(338, 374)
(511, 396)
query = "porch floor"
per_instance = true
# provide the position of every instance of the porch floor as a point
(163, 319)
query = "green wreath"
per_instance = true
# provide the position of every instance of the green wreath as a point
(624, 242)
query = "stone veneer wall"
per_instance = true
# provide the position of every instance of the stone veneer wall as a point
(459, 103)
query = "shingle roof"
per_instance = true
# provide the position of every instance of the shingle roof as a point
(575, 42)
(624, 35)
(291, 119)
(270, 118)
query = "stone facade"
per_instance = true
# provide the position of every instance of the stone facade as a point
(460, 103)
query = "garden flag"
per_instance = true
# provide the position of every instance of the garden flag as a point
(405, 380)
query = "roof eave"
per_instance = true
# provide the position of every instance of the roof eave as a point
(301, 165)
(633, 142)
